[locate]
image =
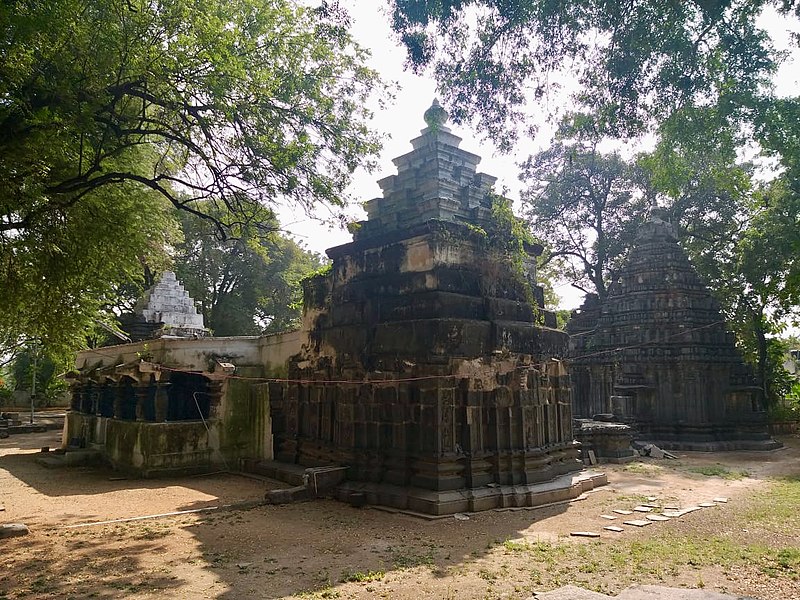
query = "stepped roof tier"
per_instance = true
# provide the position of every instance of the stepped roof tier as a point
(657, 353)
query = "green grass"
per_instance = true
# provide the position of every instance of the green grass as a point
(641, 468)
(662, 556)
(406, 557)
(778, 508)
(719, 470)
(362, 577)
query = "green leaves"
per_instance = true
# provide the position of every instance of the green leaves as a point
(105, 106)
(249, 283)
(636, 62)
(586, 206)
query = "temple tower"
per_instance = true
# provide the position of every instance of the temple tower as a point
(656, 353)
(428, 369)
(165, 310)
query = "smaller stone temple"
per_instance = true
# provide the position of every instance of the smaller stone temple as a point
(656, 354)
(165, 310)
(176, 400)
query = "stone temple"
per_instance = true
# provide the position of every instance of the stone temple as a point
(426, 368)
(656, 354)
(165, 310)
(445, 393)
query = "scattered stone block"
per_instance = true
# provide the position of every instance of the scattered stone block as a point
(652, 498)
(658, 518)
(615, 528)
(639, 522)
(621, 511)
(651, 505)
(722, 500)
(9, 530)
(706, 504)
(461, 517)
(590, 534)
(642, 509)
(609, 517)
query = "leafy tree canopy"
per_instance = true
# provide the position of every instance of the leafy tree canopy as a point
(111, 108)
(636, 62)
(245, 285)
(237, 100)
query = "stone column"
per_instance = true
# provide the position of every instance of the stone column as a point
(162, 401)
(142, 395)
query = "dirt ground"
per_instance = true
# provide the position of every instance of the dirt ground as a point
(324, 549)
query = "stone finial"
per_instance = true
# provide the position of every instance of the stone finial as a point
(436, 116)
(657, 225)
(659, 214)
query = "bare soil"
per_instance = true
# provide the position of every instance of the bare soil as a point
(325, 549)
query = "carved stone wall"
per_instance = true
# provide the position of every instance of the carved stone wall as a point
(427, 370)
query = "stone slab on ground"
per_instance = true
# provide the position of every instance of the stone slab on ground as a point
(591, 534)
(637, 592)
(639, 523)
(658, 592)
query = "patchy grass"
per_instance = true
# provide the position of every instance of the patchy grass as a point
(642, 468)
(362, 576)
(661, 557)
(408, 557)
(776, 509)
(719, 470)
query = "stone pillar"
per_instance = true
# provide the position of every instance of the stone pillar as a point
(142, 398)
(162, 401)
(119, 399)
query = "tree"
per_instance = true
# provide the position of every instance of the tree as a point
(245, 285)
(243, 100)
(107, 105)
(587, 207)
(758, 280)
(635, 62)
(62, 273)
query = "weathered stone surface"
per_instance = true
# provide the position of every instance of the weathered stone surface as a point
(656, 354)
(9, 530)
(165, 310)
(427, 365)
(610, 442)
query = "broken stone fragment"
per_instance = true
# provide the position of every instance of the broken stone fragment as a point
(614, 528)
(621, 511)
(591, 534)
(609, 517)
(9, 530)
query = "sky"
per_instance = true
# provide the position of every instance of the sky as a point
(402, 120)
